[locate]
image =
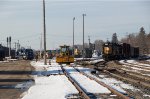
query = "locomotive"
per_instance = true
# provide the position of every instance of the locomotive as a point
(115, 51)
(26, 54)
(29, 55)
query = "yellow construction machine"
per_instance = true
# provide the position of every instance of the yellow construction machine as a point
(65, 55)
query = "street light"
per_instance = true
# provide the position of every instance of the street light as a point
(83, 35)
(73, 35)
(44, 29)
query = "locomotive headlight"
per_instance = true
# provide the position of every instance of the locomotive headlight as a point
(106, 50)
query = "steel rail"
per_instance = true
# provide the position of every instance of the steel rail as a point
(81, 90)
(143, 77)
(122, 96)
(146, 85)
(138, 66)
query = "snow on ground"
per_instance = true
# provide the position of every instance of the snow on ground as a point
(147, 95)
(4, 61)
(94, 58)
(54, 70)
(136, 68)
(134, 62)
(112, 82)
(87, 84)
(95, 61)
(133, 70)
(51, 86)
(39, 64)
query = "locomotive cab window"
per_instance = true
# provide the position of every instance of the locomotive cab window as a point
(63, 50)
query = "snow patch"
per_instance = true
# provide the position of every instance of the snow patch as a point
(52, 87)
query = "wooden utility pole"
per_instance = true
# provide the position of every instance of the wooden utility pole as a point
(83, 54)
(73, 35)
(9, 39)
(44, 30)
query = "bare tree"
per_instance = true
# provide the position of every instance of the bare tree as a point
(139, 39)
(98, 44)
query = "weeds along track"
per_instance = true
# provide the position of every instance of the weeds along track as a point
(88, 95)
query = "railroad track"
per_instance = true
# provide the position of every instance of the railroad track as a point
(136, 70)
(120, 95)
(114, 94)
(138, 66)
(81, 91)
(134, 79)
(144, 62)
(143, 78)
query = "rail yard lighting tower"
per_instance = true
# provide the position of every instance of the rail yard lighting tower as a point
(73, 35)
(44, 30)
(83, 54)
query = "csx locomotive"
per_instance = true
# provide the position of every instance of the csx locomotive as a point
(115, 51)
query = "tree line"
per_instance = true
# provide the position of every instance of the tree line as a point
(140, 39)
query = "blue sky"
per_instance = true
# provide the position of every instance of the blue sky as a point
(23, 20)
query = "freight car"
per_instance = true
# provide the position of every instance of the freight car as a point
(88, 53)
(29, 55)
(114, 51)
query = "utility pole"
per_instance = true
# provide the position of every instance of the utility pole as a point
(7, 41)
(89, 39)
(44, 29)
(83, 36)
(10, 46)
(18, 45)
(15, 46)
(73, 35)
